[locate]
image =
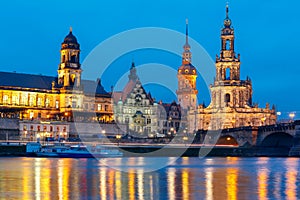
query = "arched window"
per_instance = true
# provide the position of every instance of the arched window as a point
(63, 58)
(228, 74)
(227, 45)
(227, 99)
(73, 59)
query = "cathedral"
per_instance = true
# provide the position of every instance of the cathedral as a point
(231, 103)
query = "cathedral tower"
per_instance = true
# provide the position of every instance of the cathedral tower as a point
(228, 90)
(187, 75)
(69, 71)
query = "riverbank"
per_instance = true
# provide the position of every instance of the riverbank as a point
(174, 151)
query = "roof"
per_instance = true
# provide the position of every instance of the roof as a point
(30, 81)
(187, 69)
(93, 87)
(70, 38)
(11, 79)
(122, 95)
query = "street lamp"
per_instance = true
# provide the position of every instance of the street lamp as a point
(292, 115)
(185, 139)
(118, 137)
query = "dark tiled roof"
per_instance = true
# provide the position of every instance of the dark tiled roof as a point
(93, 87)
(10, 79)
(30, 81)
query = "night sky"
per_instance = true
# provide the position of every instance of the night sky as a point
(267, 37)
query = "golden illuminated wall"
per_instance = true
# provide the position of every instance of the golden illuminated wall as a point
(187, 92)
(46, 104)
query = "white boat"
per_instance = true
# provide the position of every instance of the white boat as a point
(78, 151)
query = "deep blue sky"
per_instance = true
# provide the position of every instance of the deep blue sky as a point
(267, 37)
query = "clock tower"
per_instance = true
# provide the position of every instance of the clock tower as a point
(69, 70)
(187, 75)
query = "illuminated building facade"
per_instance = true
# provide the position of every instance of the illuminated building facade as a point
(136, 108)
(231, 98)
(38, 97)
(187, 75)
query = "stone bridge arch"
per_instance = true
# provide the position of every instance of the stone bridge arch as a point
(276, 139)
(227, 140)
(242, 138)
(283, 131)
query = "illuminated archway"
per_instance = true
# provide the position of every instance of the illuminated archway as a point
(227, 140)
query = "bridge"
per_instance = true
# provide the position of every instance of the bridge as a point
(278, 135)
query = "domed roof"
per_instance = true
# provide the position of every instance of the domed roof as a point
(70, 41)
(70, 38)
(187, 69)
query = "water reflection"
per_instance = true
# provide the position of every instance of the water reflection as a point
(187, 178)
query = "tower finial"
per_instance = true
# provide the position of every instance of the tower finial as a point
(227, 9)
(71, 29)
(186, 31)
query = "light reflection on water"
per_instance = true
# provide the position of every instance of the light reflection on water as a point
(186, 178)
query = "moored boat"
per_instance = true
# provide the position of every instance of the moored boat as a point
(77, 151)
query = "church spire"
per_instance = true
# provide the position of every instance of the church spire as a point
(186, 55)
(186, 45)
(186, 32)
(227, 10)
(132, 75)
(227, 20)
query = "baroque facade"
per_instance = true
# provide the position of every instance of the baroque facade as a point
(231, 98)
(135, 107)
(61, 98)
(142, 115)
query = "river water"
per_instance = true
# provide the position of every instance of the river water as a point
(129, 178)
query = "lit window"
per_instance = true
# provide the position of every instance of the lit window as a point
(99, 107)
(5, 99)
(31, 101)
(15, 100)
(31, 115)
(24, 99)
(39, 102)
(56, 104)
(47, 103)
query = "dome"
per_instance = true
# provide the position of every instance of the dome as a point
(70, 41)
(70, 38)
(187, 69)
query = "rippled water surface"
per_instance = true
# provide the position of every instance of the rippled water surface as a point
(133, 178)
